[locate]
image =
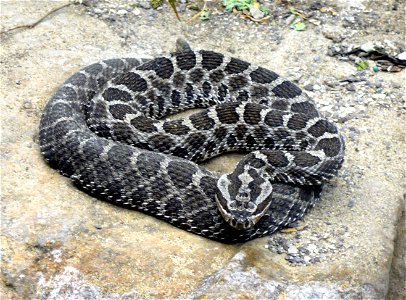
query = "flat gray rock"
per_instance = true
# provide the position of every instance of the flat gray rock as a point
(59, 243)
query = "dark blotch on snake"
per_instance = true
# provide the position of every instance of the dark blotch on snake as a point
(287, 90)
(281, 133)
(280, 104)
(331, 146)
(222, 92)
(211, 60)
(176, 127)
(236, 66)
(220, 133)
(241, 131)
(178, 79)
(216, 76)
(242, 96)
(274, 118)
(119, 111)
(206, 89)
(144, 124)
(133, 81)
(94, 69)
(148, 164)
(161, 142)
(196, 75)
(252, 113)
(177, 171)
(77, 79)
(122, 132)
(114, 94)
(237, 82)
(202, 121)
(320, 127)
(259, 92)
(305, 108)
(186, 60)
(162, 66)
(277, 159)
(298, 121)
(114, 63)
(304, 159)
(175, 98)
(262, 75)
(227, 113)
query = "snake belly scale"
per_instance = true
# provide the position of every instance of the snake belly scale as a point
(105, 128)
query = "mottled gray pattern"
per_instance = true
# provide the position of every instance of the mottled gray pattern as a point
(104, 128)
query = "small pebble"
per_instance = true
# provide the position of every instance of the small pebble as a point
(402, 56)
(256, 13)
(312, 247)
(182, 7)
(290, 19)
(367, 47)
(153, 14)
(350, 87)
(315, 259)
(378, 96)
(295, 259)
(122, 12)
(292, 250)
(303, 250)
(309, 87)
(352, 136)
(27, 104)
(352, 78)
(378, 84)
(354, 129)
(316, 87)
(349, 19)
(145, 4)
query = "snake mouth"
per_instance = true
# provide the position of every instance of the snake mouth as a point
(232, 220)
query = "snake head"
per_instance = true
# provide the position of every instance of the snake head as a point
(244, 196)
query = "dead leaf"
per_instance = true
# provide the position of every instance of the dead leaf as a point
(294, 229)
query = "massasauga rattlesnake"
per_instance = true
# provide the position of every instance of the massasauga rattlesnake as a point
(105, 129)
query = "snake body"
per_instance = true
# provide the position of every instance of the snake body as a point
(105, 129)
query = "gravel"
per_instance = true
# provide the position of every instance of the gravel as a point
(307, 247)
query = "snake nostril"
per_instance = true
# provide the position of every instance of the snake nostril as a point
(244, 195)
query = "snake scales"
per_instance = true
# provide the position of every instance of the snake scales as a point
(105, 129)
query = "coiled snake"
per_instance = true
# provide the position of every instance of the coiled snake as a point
(105, 129)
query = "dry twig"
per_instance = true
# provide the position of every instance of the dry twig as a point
(29, 26)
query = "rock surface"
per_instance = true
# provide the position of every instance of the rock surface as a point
(59, 243)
